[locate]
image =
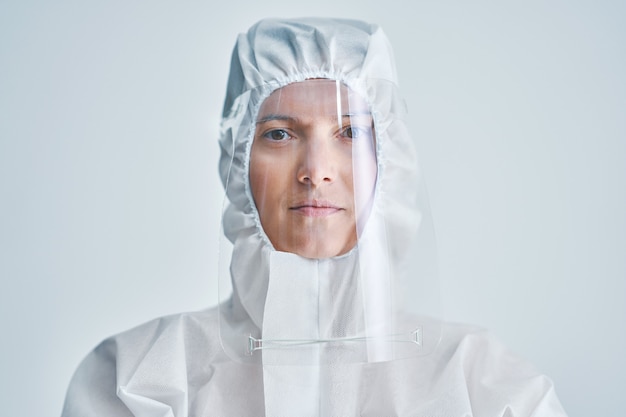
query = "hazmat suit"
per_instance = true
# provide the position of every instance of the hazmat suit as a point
(329, 300)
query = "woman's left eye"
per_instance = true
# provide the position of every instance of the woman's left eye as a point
(352, 132)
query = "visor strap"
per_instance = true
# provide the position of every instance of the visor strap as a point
(255, 344)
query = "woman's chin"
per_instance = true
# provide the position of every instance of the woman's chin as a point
(320, 250)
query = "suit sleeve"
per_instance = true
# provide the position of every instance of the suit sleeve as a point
(500, 383)
(92, 390)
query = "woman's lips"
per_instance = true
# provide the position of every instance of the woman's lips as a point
(316, 208)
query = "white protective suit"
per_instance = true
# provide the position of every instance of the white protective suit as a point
(196, 364)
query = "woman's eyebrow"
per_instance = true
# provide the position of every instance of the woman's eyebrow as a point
(283, 117)
(271, 117)
(357, 114)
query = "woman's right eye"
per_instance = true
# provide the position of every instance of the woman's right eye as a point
(277, 135)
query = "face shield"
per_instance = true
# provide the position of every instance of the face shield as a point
(328, 253)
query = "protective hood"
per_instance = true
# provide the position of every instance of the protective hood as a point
(375, 300)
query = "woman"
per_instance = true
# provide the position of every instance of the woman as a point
(330, 302)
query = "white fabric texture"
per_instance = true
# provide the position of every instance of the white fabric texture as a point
(183, 365)
(175, 367)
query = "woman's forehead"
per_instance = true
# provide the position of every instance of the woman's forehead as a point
(314, 98)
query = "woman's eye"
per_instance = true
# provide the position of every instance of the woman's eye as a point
(277, 135)
(352, 132)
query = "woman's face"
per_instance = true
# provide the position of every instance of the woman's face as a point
(312, 140)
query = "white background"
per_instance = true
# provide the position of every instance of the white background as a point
(109, 196)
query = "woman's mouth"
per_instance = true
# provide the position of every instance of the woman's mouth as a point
(316, 208)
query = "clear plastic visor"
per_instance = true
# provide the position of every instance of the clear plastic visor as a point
(315, 263)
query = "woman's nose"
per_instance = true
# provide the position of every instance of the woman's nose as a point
(316, 165)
